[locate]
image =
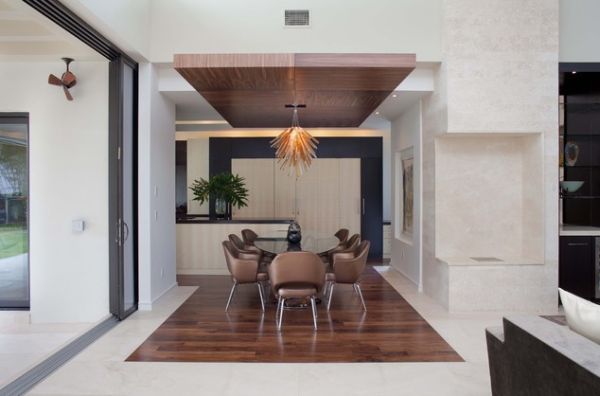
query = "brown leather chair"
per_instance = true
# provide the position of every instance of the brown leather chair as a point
(347, 246)
(249, 236)
(296, 275)
(347, 268)
(244, 268)
(342, 234)
(241, 246)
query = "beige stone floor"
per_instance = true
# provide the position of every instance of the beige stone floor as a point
(23, 345)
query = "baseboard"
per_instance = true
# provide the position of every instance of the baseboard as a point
(403, 273)
(207, 271)
(38, 373)
(147, 306)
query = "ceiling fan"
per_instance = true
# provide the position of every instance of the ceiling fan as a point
(67, 80)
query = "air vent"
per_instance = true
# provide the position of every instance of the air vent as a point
(296, 18)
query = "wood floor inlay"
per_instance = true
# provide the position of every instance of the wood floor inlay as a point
(200, 330)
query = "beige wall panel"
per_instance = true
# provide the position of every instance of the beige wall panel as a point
(258, 173)
(318, 196)
(199, 249)
(197, 167)
(285, 193)
(349, 194)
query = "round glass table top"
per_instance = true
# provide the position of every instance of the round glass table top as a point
(311, 242)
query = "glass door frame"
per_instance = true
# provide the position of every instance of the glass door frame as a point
(60, 14)
(119, 230)
(16, 118)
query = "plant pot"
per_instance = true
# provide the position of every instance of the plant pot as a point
(220, 207)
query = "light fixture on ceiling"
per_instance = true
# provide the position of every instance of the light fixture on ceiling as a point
(394, 96)
(376, 113)
(295, 146)
(574, 72)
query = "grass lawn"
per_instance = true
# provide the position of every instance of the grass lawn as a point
(13, 241)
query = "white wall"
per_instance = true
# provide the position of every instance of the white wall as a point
(406, 250)
(408, 26)
(579, 30)
(156, 189)
(68, 180)
(126, 23)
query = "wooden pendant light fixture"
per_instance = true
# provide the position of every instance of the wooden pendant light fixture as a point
(295, 146)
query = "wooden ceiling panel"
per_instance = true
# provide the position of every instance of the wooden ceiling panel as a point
(251, 90)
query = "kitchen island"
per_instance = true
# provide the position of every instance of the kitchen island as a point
(199, 250)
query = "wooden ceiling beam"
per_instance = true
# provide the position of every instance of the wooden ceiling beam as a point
(251, 90)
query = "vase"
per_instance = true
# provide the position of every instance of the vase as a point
(294, 234)
(220, 207)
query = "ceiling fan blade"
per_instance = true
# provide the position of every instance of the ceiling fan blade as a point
(52, 79)
(69, 79)
(67, 93)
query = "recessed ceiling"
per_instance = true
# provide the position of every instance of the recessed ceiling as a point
(26, 35)
(251, 90)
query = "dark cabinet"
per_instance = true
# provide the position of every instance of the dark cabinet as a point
(577, 265)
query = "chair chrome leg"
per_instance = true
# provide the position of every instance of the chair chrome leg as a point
(230, 296)
(260, 293)
(314, 311)
(330, 295)
(354, 287)
(327, 289)
(362, 300)
(281, 313)
(277, 310)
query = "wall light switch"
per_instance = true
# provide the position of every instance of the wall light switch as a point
(78, 225)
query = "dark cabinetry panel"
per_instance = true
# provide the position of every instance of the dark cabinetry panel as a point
(577, 265)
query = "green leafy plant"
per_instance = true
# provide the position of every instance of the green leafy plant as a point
(231, 188)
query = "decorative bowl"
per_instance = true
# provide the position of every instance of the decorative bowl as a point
(570, 186)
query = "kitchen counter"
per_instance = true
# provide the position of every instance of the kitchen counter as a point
(204, 219)
(576, 230)
(199, 250)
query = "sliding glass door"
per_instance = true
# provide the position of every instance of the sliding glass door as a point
(14, 194)
(123, 187)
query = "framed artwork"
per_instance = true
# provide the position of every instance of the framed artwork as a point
(407, 159)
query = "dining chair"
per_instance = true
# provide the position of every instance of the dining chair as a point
(347, 269)
(241, 246)
(249, 236)
(244, 269)
(348, 246)
(297, 275)
(342, 234)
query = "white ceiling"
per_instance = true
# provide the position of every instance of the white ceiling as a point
(27, 35)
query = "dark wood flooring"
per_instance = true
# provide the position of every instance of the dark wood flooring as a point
(200, 330)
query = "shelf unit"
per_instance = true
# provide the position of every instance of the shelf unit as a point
(582, 127)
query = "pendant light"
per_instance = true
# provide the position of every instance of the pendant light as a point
(295, 146)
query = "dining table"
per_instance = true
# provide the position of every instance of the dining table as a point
(312, 241)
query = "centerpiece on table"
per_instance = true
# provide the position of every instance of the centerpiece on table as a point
(225, 188)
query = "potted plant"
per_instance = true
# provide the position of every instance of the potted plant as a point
(226, 189)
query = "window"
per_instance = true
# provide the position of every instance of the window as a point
(14, 203)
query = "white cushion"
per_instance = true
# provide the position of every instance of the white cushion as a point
(583, 316)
